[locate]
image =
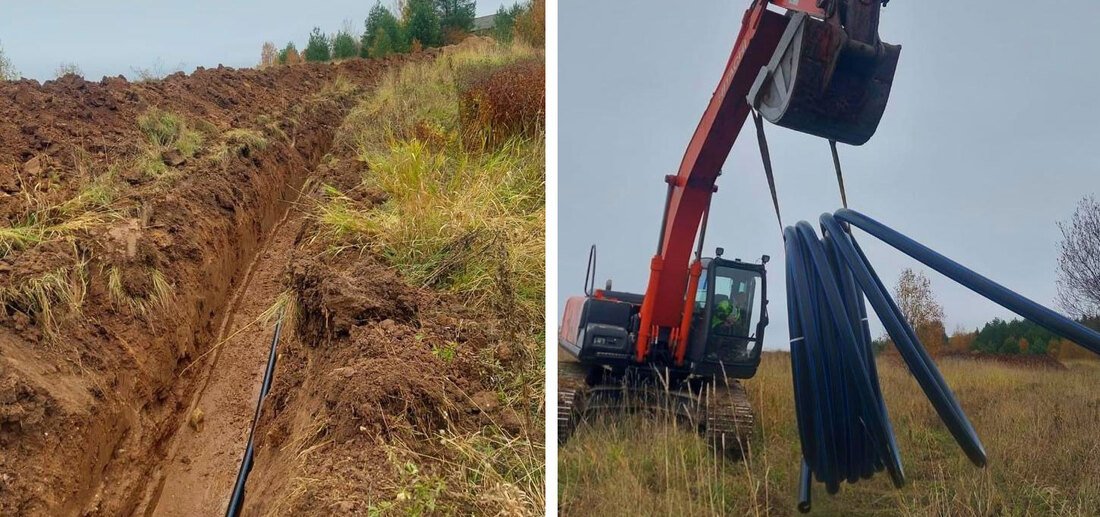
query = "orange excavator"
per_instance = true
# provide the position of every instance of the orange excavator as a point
(814, 66)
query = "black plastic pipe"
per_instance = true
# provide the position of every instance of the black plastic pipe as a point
(236, 501)
(1008, 299)
(843, 425)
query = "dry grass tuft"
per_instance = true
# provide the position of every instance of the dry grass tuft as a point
(158, 299)
(49, 297)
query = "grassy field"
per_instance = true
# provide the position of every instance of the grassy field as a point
(1041, 430)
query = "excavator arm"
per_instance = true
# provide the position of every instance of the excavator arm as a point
(691, 189)
(816, 69)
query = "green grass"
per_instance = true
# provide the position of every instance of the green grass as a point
(469, 221)
(1038, 427)
(464, 220)
(163, 132)
(166, 130)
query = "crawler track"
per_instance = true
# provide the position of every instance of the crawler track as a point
(720, 411)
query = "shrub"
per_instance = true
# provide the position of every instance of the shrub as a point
(68, 68)
(499, 102)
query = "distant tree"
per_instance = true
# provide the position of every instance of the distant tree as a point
(344, 46)
(68, 68)
(383, 44)
(7, 71)
(1010, 346)
(383, 30)
(933, 336)
(918, 305)
(505, 21)
(531, 23)
(293, 57)
(284, 55)
(456, 18)
(318, 49)
(422, 23)
(961, 340)
(269, 56)
(1079, 261)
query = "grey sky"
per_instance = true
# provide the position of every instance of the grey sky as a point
(112, 37)
(989, 139)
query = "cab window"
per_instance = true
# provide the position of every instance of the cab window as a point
(735, 293)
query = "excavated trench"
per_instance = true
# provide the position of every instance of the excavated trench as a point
(190, 462)
(129, 415)
(202, 457)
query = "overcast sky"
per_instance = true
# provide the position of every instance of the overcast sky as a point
(114, 37)
(990, 138)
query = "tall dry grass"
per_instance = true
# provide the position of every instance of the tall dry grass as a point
(1039, 427)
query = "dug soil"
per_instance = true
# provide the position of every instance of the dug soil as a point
(116, 410)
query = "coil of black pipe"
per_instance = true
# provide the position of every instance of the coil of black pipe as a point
(843, 423)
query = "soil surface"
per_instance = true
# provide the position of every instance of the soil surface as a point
(99, 407)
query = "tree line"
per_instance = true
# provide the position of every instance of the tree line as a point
(411, 27)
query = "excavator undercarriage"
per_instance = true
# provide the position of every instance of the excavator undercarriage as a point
(717, 408)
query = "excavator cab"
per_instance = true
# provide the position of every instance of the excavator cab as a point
(729, 318)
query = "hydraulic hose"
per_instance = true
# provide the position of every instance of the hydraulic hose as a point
(843, 424)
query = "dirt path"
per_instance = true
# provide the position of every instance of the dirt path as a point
(204, 457)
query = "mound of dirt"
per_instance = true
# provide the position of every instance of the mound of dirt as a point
(91, 396)
(374, 373)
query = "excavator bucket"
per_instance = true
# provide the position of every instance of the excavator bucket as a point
(822, 82)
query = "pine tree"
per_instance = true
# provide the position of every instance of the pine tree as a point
(381, 21)
(344, 46)
(422, 23)
(456, 17)
(383, 44)
(504, 23)
(318, 47)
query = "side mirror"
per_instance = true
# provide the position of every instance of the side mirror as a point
(764, 259)
(719, 251)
